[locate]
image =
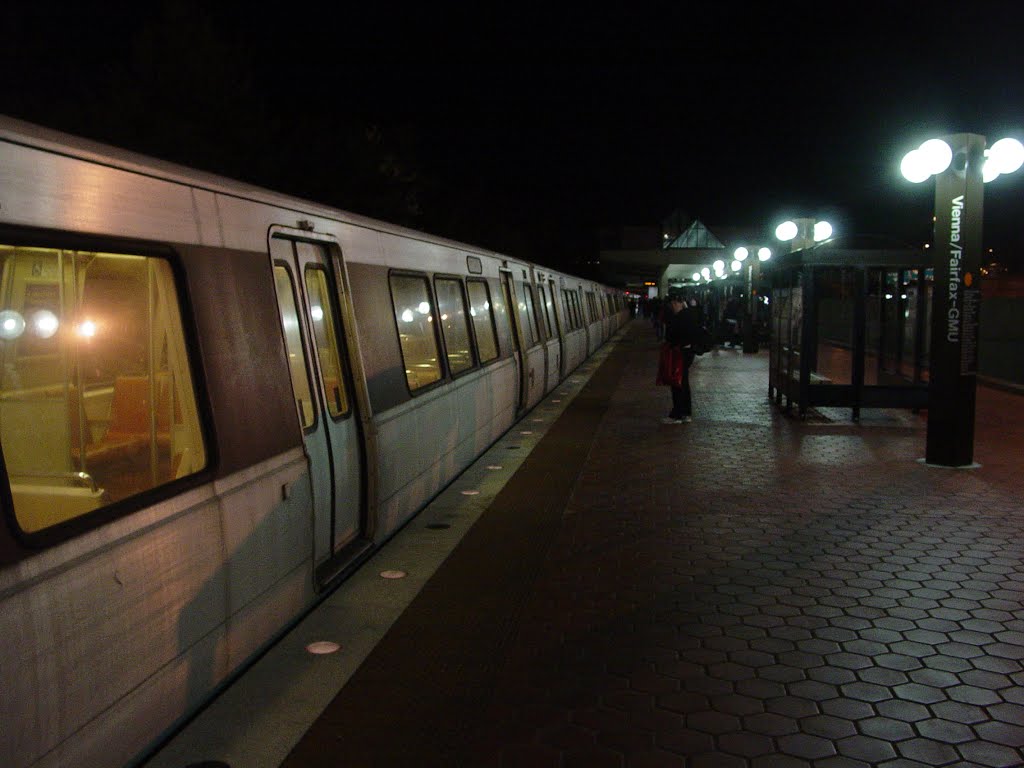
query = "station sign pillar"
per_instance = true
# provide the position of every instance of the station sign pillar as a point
(956, 304)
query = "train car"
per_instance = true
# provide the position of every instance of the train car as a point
(215, 402)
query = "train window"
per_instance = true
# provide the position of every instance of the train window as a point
(531, 311)
(293, 346)
(574, 296)
(321, 314)
(526, 318)
(545, 312)
(483, 319)
(567, 308)
(414, 316)
(97, 402)
(451, 309)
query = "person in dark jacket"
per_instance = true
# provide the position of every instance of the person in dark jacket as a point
(680, 332)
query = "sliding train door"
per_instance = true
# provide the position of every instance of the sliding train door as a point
(311, 322)
(518, 353)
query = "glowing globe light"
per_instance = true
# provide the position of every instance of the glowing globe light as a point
(936, 155)
(44, 323)
(706, 273)
(423, 308)
(914, 167)
(763, 254)
(989, 171)
(741, 253)
(718, 266)
(407, 316)
(822, 231)
(12, 325)
(1005, 156)
(696, 276)
(787, 230)
(737, 265)
(86, 329)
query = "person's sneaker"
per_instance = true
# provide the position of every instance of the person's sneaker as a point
(670, 420)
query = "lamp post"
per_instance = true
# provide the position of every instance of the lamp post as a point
(961, 165)
(803, 232)
(753, 267)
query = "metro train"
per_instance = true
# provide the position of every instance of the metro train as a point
(216, 401)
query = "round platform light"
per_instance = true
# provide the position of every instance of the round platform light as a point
(741, 253)
(822, 231)
(736, 266)
(763, 254)
(323, 647)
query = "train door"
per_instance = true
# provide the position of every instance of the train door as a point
(518, 354)
(558, 326)
(307, 299)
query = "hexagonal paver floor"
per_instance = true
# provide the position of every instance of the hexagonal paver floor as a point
(805, 593)
(754, 590)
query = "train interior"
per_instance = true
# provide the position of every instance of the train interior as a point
(96, 395)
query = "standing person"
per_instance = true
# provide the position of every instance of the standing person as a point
(732, 321)
(656, 313)
(680, 333)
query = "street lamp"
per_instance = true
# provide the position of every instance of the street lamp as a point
(742, 255)
(961, 165)
(803, 232)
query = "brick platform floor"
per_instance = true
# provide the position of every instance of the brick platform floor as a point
(750, 589)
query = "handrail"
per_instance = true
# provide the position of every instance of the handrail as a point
(82, 477)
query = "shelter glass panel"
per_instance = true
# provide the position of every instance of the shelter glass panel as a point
(836, 297)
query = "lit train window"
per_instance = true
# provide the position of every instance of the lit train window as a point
(414, 317)
(97, 402)
(526, 319)
(577, 311)
(293, 346)
(483, 319)
(567, 311)
(545, 310)
(321, 314)
(451, 309)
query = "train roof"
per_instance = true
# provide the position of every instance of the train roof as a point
(21, 132)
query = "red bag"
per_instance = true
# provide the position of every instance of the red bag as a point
(670, 366)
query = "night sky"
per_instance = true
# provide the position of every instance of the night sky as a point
(528, 131)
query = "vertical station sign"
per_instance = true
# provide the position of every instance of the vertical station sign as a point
(956, 304)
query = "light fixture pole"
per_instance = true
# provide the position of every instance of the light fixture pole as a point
(959, 165)
(744, 257)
